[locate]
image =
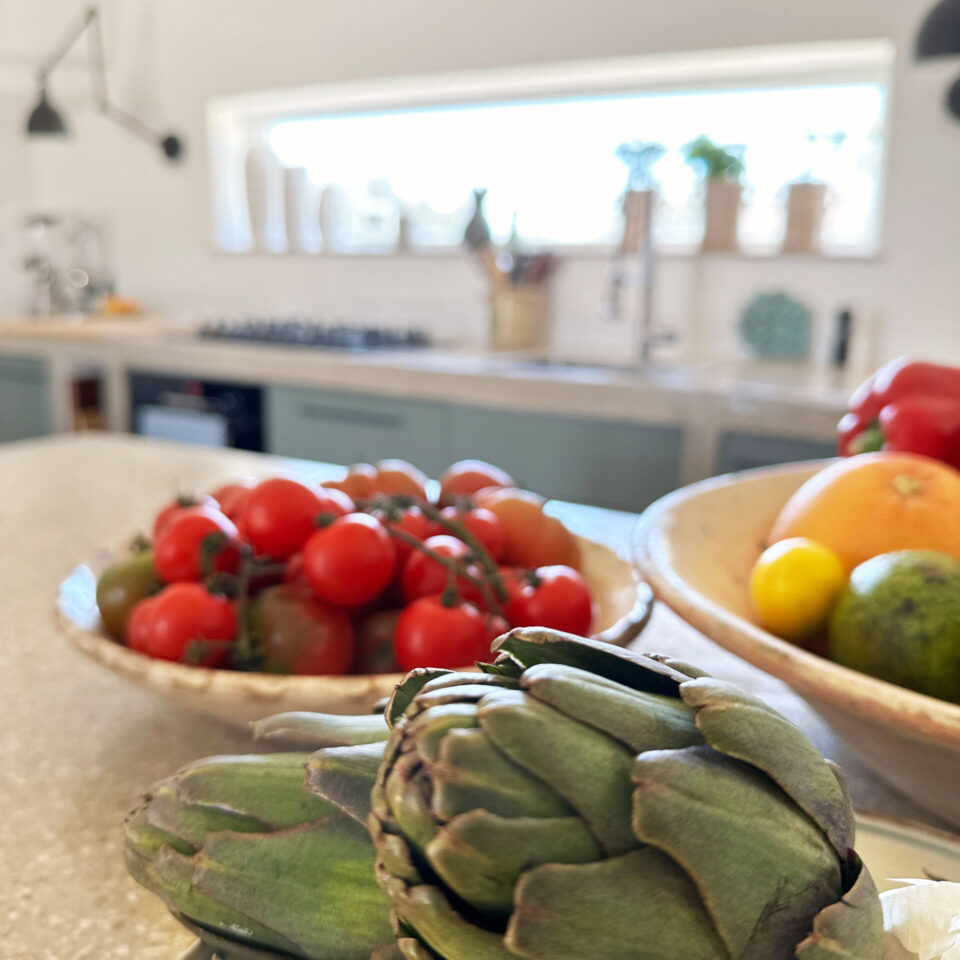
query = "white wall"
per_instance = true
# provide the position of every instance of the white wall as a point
(171, 56)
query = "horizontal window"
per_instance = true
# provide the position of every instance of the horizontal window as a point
(351, 175)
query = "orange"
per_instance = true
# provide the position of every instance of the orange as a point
(876, 503)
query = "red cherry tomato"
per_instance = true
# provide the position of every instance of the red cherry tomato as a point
(178, 553)
(422, 575)
(185, 624)
(470, 476)
(350, 562)
(300, 635)
(280, 516)
(496, 627)
(335, 502)
(375, 649)
(232, 497)
(413, 522)
(173, 510)
(430, 634)
(557, 598)
(293, 571)
(484, 524)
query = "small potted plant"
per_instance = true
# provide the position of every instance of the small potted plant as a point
(640, 157)
(807, 198)
(721, 167)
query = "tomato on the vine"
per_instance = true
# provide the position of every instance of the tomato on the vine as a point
(173, 510)
(431, 633)
(554, 597)
(195, 535)
(388, 477)
(422, 575)
(411, 521)
(122, 586)
(232, 497)
(301, 635)
(375, 643)
(280, 515)
(467, 477)
(351, 561)
(184, 623)
(483, 524)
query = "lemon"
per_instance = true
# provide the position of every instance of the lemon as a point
(794, 587)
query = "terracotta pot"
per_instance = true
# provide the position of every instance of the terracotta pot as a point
(805, 208)
(722, 216)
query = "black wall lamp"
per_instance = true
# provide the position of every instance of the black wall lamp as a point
(46, 120)
(940, 37)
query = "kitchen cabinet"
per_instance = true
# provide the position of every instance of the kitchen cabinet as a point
(608, 463)
(744, 451)
(24, 398)
(354, 428)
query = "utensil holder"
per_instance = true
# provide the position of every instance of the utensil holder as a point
(520, 317)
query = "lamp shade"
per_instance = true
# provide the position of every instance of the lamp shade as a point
(940, 33)
(45, 120)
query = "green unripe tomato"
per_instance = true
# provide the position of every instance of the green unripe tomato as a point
(122, 586)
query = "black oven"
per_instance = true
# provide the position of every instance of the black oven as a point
(205, 412)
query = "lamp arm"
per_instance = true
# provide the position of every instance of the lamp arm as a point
(69, 41)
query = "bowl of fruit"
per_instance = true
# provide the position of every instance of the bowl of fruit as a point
(842, 578)
(272, 596)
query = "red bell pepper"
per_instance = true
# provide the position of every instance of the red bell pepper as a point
(906, 407)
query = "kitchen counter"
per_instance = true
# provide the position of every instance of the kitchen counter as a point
(704, 399)
(78, 745)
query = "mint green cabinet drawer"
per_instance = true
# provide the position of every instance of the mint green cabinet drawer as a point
(744, 451)
(353, 428)
(24, 398)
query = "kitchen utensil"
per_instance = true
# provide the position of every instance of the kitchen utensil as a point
(622, 609)
(697, 547)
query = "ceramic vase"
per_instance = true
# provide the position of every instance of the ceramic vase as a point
(806, 204)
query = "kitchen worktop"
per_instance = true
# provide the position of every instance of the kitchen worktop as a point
(78, 745)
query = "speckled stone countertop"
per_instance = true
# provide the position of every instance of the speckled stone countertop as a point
(77, 745)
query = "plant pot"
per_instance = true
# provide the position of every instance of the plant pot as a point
(723, 201)
(806, 203)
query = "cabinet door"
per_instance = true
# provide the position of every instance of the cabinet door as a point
(744, 451)
(24, 398)
(353, 428)
(608, 463)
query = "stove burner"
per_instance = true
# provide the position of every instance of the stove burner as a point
(311, 333)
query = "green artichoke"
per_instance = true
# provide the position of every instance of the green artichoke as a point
(239, 846)
(574, 801)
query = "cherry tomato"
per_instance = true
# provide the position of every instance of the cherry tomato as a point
(360, 483)
(484, 525)
(422, 575)
(496, 628)
(173, 510)
(301, 635)
(554, 597)
(375, 649)
(431, 634)
(232, 497)
(335, 502)
(293, 571)
(350, 562)
(399, 476)
(280, 516)
(178, 554)
(467, 477)
(185, 624)
(122, 586)
(412, 522)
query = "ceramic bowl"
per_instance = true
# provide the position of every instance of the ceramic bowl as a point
(622, 609)
(696, 548)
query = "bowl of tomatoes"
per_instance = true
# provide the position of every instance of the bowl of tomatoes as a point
(274, 595)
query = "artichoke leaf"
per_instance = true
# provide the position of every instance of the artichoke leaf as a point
(781, 870)
(639, 906)
(214, 944)
(480, 856)
(533, 645)
(407, 690)
(471, 773)
(639, 720)
(464, 693)
(427, 730)
(322, 729)
(744, 727)
(458, 679)
(408, 801)
(589, 769)
(345, 777)
(849, 930)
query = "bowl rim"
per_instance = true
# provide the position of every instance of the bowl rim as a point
(812, 676)
(164, 673)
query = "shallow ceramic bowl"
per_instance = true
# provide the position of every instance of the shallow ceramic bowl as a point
(696, 548)
(622, 609)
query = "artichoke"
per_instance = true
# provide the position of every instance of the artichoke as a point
(574, 801)
(239, 846)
